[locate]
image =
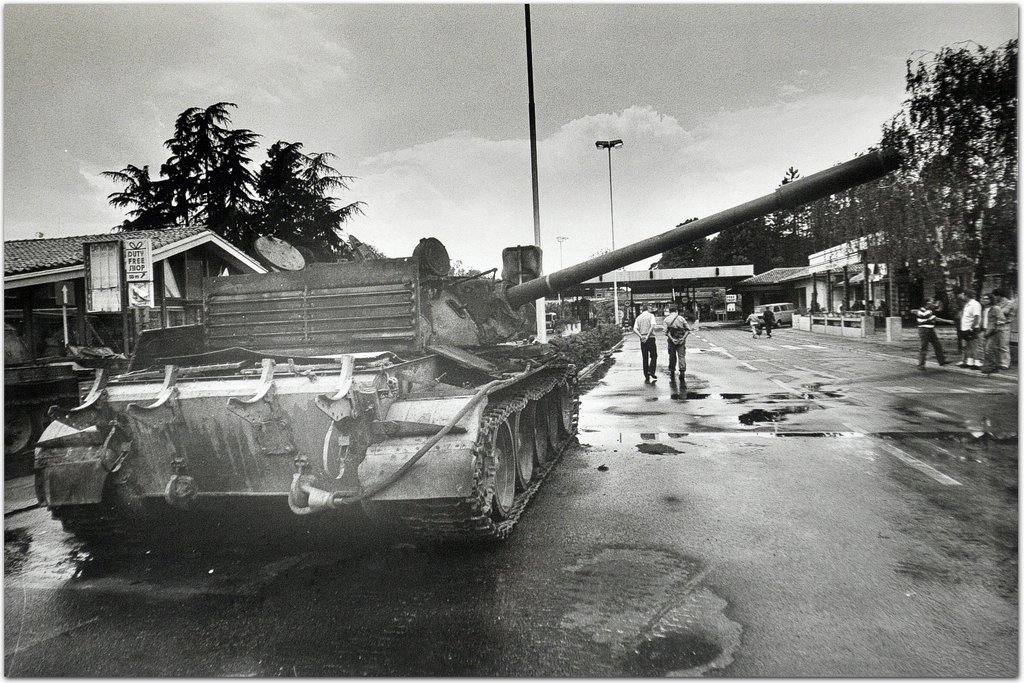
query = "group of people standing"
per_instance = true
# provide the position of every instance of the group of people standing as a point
(677, 329)
(983, 330)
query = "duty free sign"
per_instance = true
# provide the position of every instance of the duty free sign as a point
(138, 271)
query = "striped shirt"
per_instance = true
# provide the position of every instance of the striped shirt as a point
(925, 317)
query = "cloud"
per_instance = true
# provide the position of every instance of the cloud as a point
(475, 194)
(273, 53)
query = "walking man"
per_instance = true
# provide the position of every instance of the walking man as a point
(926, 320)
(769, 321)
(676, 332)
(1009, 308)
(992, 321)
(643, 327)
(970, 323)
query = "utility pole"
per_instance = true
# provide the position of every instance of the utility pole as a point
(542, 331)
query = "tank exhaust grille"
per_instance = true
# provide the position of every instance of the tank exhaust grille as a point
(324, 309)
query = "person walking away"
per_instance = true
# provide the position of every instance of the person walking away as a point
(677, 329)
(769, 321)
(1009, 308)
(755, 325)
(992, 318)
(970, 323)
(643, 327)
(926, 320)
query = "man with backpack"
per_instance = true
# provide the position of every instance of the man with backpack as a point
(676, 332)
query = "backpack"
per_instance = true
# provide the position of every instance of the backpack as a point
(677, 334)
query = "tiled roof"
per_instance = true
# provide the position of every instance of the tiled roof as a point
(774, 276)
(27, 256)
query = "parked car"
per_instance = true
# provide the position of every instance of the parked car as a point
(783, 313)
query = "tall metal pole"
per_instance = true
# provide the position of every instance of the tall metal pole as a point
(542, 333)
(611, 206)
(610, 145)
(561, 264)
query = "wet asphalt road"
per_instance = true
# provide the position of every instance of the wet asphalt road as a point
(808, 509)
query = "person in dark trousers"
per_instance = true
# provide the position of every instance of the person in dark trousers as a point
(769, 321)
(643, 327)
(926, 320)
(993, 321)
(677, 329)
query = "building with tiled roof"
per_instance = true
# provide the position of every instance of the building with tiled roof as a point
(833, 278)
(44, 283)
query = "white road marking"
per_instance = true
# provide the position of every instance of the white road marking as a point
(766, 347)
(785, 386)
(750, 366)
(816, 372)
(813, 346)
(790, 346)
(922, 467)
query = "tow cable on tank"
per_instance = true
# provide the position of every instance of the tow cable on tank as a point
(304, 498)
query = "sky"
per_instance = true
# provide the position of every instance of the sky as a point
(426, 106)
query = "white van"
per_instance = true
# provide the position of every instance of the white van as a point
(783, 313)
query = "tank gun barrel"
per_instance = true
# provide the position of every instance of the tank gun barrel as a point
(844, 176)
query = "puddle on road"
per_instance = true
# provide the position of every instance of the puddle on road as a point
(676, 651)
(600, 438)
(774, 415)
(615, 410)
(649, 608)
(656, 448)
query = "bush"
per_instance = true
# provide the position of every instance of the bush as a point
(586, 347)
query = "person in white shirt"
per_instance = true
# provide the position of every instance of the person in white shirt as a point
(970, 323)
(676, 332)
(643, 327)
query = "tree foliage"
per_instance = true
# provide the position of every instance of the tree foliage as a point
(207, 180)
(951, 209)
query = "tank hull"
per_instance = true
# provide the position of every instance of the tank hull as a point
(138, 447)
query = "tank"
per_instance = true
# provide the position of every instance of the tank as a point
(30, 388)
(385, 384)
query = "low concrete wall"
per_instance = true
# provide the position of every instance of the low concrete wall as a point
(837, 325)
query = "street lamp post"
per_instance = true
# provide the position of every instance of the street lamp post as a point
(561, 265)
(610, 145)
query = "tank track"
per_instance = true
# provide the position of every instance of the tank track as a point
(471, 519)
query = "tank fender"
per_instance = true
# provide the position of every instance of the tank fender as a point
(80, 449)
(77, 474)
(78, 477)
(447, 471)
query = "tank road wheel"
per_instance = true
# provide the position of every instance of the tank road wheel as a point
(541, 452)
(551, 406)
(525, 428)
(18, 429)
(565, 402)
(504, 458)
